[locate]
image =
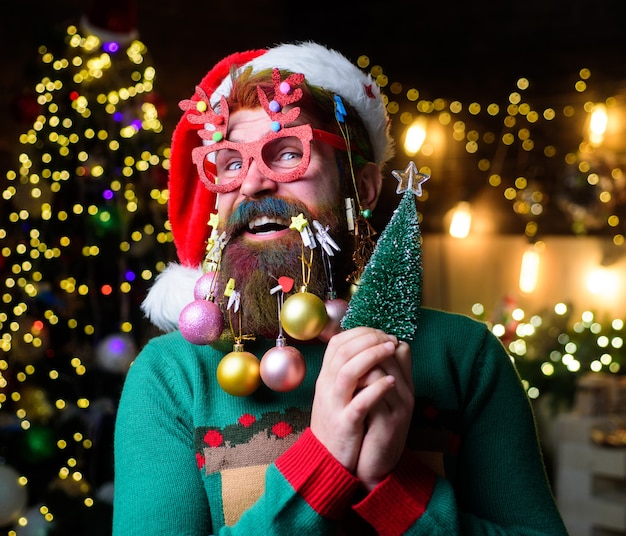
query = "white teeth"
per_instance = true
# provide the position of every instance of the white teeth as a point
(264, 220)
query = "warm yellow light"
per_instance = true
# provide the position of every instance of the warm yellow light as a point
(603, 281)
(597, 124)
(529, 271)
(461, 220)
(415, 136)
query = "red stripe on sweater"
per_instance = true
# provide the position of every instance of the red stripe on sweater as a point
(400, 500)
(325, 484)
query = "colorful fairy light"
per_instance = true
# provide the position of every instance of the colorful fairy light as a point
(82, 191)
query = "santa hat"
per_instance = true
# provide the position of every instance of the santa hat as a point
(190, 203)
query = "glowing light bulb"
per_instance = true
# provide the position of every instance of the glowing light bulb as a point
(461, 220)
(602, 281)
(414, 137)
(529, 270)
(597, 124)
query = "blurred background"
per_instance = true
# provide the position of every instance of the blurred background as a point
(516, 110)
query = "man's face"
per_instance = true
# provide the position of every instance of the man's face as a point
(317, 187)
(256, 218)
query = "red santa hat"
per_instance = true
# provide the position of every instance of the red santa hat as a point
(191, 204)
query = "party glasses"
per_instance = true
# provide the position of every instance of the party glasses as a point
(282, 156)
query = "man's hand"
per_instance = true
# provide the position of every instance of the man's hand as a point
(388, 422)
(347, 396)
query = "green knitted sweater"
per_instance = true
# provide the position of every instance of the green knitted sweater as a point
(193, 460)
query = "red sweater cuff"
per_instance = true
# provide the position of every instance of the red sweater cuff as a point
(325, 484)
(400, 500)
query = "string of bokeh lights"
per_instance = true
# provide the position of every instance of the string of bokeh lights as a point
(516, 123)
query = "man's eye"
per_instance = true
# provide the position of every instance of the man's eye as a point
(228, 161)
(283, 152)
(290, 154)
(233, 165)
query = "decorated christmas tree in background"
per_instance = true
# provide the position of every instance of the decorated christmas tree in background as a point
(82, 228)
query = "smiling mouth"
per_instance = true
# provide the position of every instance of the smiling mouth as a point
(265, 226)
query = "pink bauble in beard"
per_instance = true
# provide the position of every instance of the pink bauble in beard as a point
(201, 322)
(336, 310)
(206, 286)
(282, 368)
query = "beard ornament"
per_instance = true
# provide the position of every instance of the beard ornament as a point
(283, 367)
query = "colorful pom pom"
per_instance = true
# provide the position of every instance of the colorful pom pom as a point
(274, 106)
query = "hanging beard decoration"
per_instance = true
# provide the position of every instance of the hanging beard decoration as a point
(303, 315)
(335, 311)
(201, 321)
(335, 307)
(238, 372)
(283, 367)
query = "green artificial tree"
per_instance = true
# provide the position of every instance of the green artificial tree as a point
(388, 295)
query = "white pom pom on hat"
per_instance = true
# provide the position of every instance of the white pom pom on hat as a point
(190, 203)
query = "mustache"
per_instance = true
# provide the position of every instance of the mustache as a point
(274, 207)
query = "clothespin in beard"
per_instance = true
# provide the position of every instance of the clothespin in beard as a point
(215, 244)
(350, 213)
(324, 239)
(285, 285)
(214, 247)
(234, 301)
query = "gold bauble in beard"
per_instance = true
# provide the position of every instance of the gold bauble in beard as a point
(303, 316)
(238, 372)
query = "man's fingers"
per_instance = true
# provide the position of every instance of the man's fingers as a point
(367, 398)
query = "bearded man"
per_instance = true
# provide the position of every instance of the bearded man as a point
(377, 436)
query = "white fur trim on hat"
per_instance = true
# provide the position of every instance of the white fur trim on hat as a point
(329, 69)
(171, 292)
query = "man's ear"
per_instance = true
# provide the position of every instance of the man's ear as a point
(369, 183)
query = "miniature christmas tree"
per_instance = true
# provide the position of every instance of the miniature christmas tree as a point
(389, 292)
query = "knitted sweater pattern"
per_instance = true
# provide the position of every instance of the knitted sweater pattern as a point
(191, 459)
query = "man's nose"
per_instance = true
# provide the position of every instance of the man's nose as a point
(256, 184)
